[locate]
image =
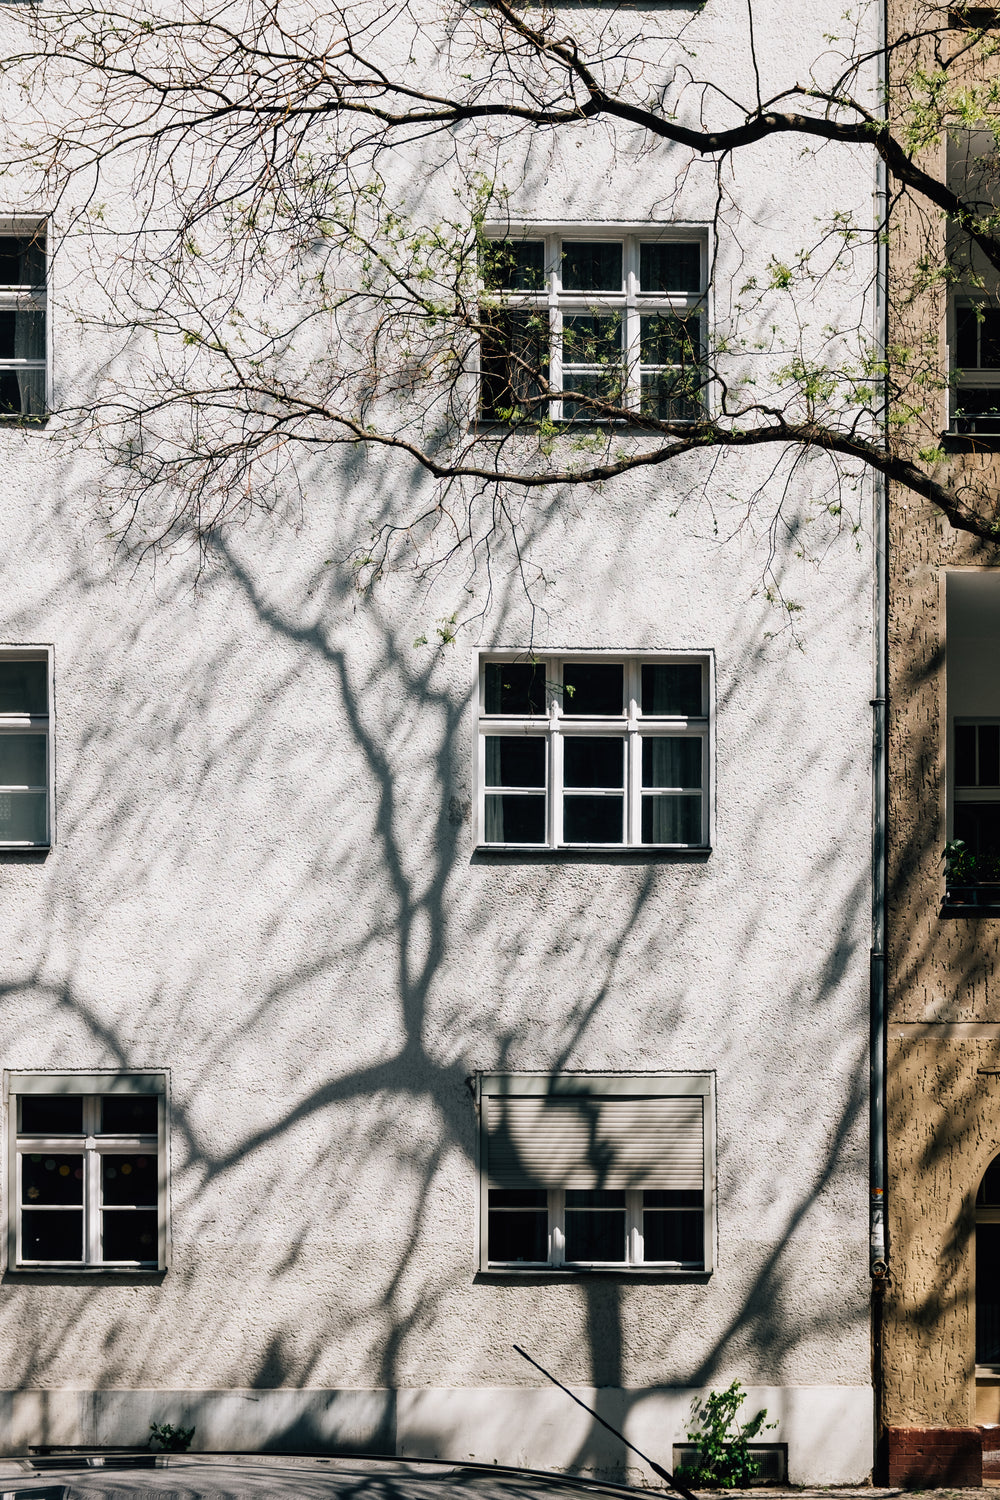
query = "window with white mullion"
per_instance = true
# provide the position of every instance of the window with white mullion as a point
(25, 769)
(597, 1172)
(93, 1194)
(22, 325)
(625, 758)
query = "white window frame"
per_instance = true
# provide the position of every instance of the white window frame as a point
(555, 726)
(92, 1146)
(33, 724)
(631, 301)
(17, 296)
(668, 1085)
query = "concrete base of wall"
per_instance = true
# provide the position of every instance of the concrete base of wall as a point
(926, 1457)
(828, 1429)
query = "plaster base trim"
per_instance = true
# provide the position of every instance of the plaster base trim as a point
(828, 1429)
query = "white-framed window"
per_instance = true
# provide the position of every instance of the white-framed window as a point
(87, 1171)
(23, 338)
(592, 1171)
(594, 751)
(594, 325)
(25, 747)
(975, 359)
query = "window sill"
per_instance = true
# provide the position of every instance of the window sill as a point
(971, 901)
(55, 1274)
(494, 1274)
(971, 442)
(613, 853)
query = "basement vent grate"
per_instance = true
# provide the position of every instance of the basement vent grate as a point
(772, 1460)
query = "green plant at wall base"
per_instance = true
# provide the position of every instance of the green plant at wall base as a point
(171, 1439)
(724, 1460)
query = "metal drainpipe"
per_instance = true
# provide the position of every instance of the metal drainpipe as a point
(877, 1240)
(878, 1260)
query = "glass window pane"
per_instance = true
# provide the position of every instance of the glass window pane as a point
(52, 1236)
(667, 339)
(672, 688)
(593, 339)
(593, 1234)
(591, 395)
(672, 1198)
(514, 364)
(49, 1177)
(977, 410)
(515, 820)
(22, 260)
(22, 333)
(514, 265)
(592, 761)
(989, 755)
(989, 1188)
(591, 266)
(593, 689)
(671, 820)
(671, 760)
(515, 687)
(129, 1235)
(988, 1294)
(22, 394)
(513, 1237)
(23, 818)
(22, 759)
(670, 267)
(515, 760)
(592, 820)
(24, 687)
(966, 338)
(595, 1198)
(978, 823)
(129, 1179)
(129, 1114)
(672, 395)
(519, 1198)
(51, 1114)
(989, 339)
(673, 1236)
(965, 754)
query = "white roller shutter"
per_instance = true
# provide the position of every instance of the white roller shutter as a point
(586, 1141)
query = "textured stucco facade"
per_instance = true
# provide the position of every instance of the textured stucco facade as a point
(264, 884)
(943, 1002)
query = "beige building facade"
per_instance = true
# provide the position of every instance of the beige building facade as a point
(937, 1310)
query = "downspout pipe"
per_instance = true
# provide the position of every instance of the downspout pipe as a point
(878, 1249)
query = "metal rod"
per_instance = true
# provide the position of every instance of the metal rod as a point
(656, 1468)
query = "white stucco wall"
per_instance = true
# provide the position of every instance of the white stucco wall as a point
(263, 883)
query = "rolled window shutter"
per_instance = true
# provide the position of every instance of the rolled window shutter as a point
(585, 1141)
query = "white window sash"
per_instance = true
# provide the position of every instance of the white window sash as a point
(630, 301)
(630, 726)
(493, 1086)
(92, 1146)
(37, 724)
